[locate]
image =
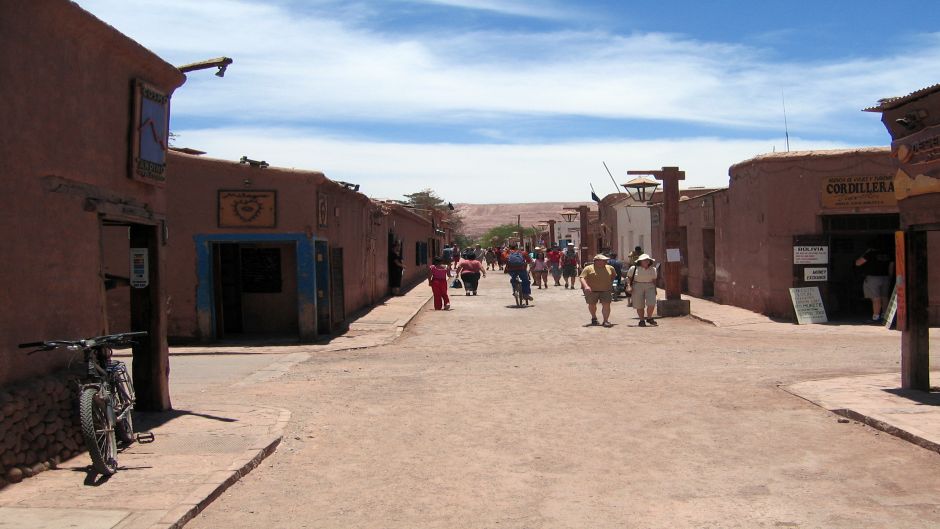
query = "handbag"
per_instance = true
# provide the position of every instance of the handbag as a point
(456, 284)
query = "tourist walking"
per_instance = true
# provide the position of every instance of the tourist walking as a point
(596, 280)
(878, 266)
(642, 279)
(539, 268)
(490, 258)
(569, 265)
(447, 255)
(554, 264)
(469, 270)
(396, 268)
(437, 278)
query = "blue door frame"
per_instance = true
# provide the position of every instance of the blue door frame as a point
(306, 278)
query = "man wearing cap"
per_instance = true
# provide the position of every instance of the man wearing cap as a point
(597, 280)
(569, 265)
(642, 279)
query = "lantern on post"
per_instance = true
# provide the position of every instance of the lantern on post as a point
(569, 216)
(641, 189)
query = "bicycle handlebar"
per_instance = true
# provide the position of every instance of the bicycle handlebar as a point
(98, 340)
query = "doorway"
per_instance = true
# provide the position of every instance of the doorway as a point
(849, 237)
(708, 262)
(255, 290)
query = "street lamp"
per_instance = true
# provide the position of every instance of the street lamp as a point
(641, 189)
(220, 62)
(569, 215)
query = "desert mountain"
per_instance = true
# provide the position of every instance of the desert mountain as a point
(478, 218)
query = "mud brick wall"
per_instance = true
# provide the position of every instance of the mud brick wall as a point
(39, 426)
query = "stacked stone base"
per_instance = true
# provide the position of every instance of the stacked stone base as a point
(39, 426)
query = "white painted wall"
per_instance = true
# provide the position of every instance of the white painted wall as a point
(634, 226)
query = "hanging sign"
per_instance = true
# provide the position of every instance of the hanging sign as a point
(808, 305)
(815, 274)
(811, 254)
(140, 268)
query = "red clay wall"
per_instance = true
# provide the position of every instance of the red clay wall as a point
(354, 223)
(66, 92)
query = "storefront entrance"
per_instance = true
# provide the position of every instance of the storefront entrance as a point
(255, 290)
(849, 237)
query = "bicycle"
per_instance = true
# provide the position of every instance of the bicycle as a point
(106, 396)
(517, 292)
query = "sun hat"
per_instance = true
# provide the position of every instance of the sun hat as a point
(601, 257)
(570, 244)
(645, 257)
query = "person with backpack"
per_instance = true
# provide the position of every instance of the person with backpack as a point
(569, 265)
(517, 266)
(642, 278)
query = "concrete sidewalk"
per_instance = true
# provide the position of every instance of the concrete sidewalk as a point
(201, 447)
(199, 451)
(878, 401)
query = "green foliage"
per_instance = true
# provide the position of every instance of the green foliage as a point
(502, 233)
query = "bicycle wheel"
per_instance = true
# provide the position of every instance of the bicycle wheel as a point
(123, 400)
(97, 418)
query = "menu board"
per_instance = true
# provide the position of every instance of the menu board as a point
(808, 305)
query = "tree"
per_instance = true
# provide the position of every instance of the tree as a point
(501, 234)
(427, 201)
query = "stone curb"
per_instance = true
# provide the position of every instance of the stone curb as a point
(872, 422)
(220, 481)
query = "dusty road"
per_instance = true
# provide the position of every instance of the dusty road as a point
(494, 417)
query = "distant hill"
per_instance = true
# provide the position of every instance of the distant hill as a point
(478, 218)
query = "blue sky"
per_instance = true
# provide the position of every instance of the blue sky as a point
(511, 101)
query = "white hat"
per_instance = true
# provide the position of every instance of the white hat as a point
(645, 257)
(570, 244)
(601, 257)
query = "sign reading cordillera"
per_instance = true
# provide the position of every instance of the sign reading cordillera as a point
(858, 191)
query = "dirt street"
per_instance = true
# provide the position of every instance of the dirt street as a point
(495, 417)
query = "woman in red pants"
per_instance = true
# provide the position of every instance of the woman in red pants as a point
(437, 278)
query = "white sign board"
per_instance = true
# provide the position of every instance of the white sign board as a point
(673, 255)
(808, 305)
(892, 311)
(810, 255)
(140, 268)
(815, 274)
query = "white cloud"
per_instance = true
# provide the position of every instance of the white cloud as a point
(483, 173)
(525, 8)
(296, 67)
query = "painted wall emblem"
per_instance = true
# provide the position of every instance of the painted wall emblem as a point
(247, 209)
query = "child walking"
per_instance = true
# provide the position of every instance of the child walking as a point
(437, 278)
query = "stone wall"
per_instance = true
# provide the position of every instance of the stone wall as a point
(39, 426)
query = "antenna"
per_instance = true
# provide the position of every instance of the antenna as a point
(786, 126)
(616, 187)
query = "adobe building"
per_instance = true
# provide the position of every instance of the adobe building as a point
(265, 252)
(83, 158)
(789, 220)
(914, 124)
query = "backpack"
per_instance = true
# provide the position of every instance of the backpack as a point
(570, 257)
(516, 259)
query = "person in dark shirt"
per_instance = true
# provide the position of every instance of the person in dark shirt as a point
(878, 266)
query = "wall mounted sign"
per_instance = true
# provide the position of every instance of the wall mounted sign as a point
(140, 268)
(919, 148)
(151, 133)
(858, 191)
(673, 255)
(815, 274)
(808, 305)
(811, 254)
(247, 209)
(323, 216)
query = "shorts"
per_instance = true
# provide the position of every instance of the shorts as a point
(593, 297)
(644, 295)
(569, 270)
(876, 287)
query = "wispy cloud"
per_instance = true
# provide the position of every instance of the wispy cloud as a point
(295, 67)
(528, 8)
(485, 173)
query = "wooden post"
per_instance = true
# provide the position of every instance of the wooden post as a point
(586, 241)
(915, 345)
(551, 233)
(151, 366)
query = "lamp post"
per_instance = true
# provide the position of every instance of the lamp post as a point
(673, 305)
(641, 189)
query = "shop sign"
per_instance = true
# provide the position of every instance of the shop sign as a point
(140, 268)
(247, 209)
(151, 121)
(920, 148)
(858, 191)
(817, 254)
(815, 274)
(808, 305)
